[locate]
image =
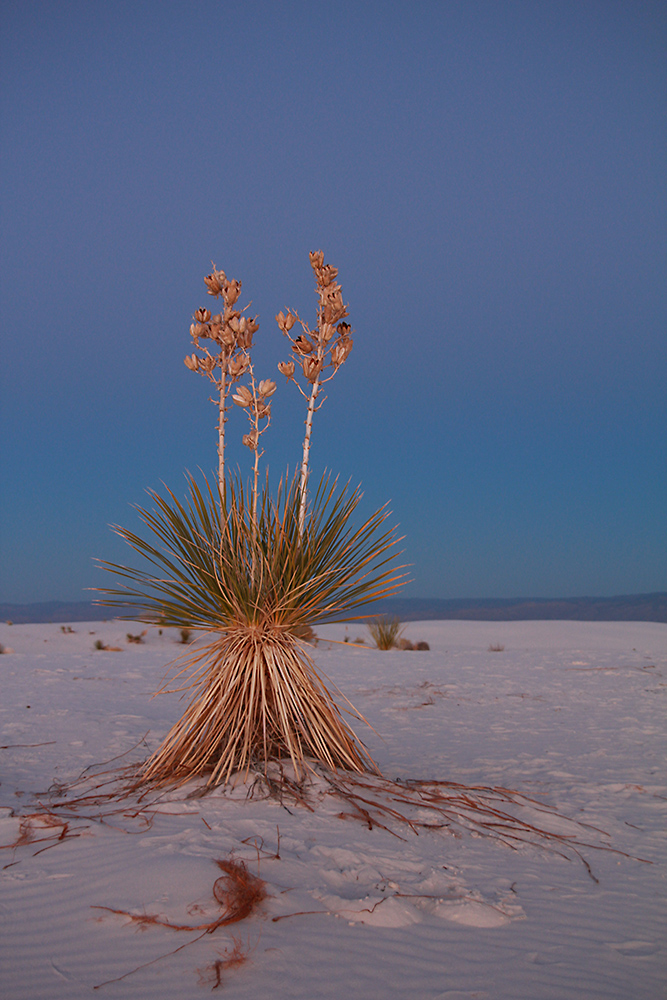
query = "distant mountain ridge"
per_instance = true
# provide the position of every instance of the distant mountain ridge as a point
(627, 607)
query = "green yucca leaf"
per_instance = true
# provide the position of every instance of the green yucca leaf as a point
(216, 567)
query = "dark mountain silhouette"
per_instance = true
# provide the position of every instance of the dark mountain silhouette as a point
(628, 607)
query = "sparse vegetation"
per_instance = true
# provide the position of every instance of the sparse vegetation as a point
(306, 633)
(496, 647)
(186, 636)
(137, 639)
(385, 632)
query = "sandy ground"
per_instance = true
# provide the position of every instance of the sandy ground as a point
(569, 713)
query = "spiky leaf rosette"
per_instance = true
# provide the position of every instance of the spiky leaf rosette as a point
(253, 584)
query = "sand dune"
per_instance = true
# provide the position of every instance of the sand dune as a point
(570, 714)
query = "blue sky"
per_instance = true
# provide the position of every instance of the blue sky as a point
(487, 176)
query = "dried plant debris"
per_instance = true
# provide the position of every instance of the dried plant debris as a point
(239, 895)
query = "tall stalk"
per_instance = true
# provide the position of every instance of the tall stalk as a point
(315, 352)
(303, 487)
(222, 419)
(231, 332)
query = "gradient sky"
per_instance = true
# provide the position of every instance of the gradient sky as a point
(489, 178)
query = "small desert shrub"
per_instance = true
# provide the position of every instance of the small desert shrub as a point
(186, 635)
(138, 639)
(306, 633)
(99, 645)
(385, 632)
(422, 645)
(496, 647)
(67, 629)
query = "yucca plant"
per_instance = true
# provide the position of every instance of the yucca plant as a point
(253, 572)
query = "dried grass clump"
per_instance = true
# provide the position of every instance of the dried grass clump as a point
(386, 632)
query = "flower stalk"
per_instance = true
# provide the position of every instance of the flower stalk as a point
(224, 363)
(315, 352)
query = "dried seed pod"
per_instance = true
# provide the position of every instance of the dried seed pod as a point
(252, 325)
(316, 259)
(215, 281)
(243, 396)
(286, 368)
(250, 440)
(232, 291)
(244, 339)
(326, 332)
(206, 365)
(326, 275)
(263, 410)
(202, 316)
(198, 330)
(227, 336)
(344, 329)
(303, 345)
(266, 388)
(311, 368)
(285, 322)
(238, 365)
(341, 350)
(192, 362)
(334, 309)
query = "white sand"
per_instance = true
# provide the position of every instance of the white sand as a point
(572, 713)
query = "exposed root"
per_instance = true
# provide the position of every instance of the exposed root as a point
(212, 974)
(238, 892)
(39, 828)
(481, 810)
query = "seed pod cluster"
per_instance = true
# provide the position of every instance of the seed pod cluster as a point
(224, 341)
(253, 399)
(329, 344)
(230, 331)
